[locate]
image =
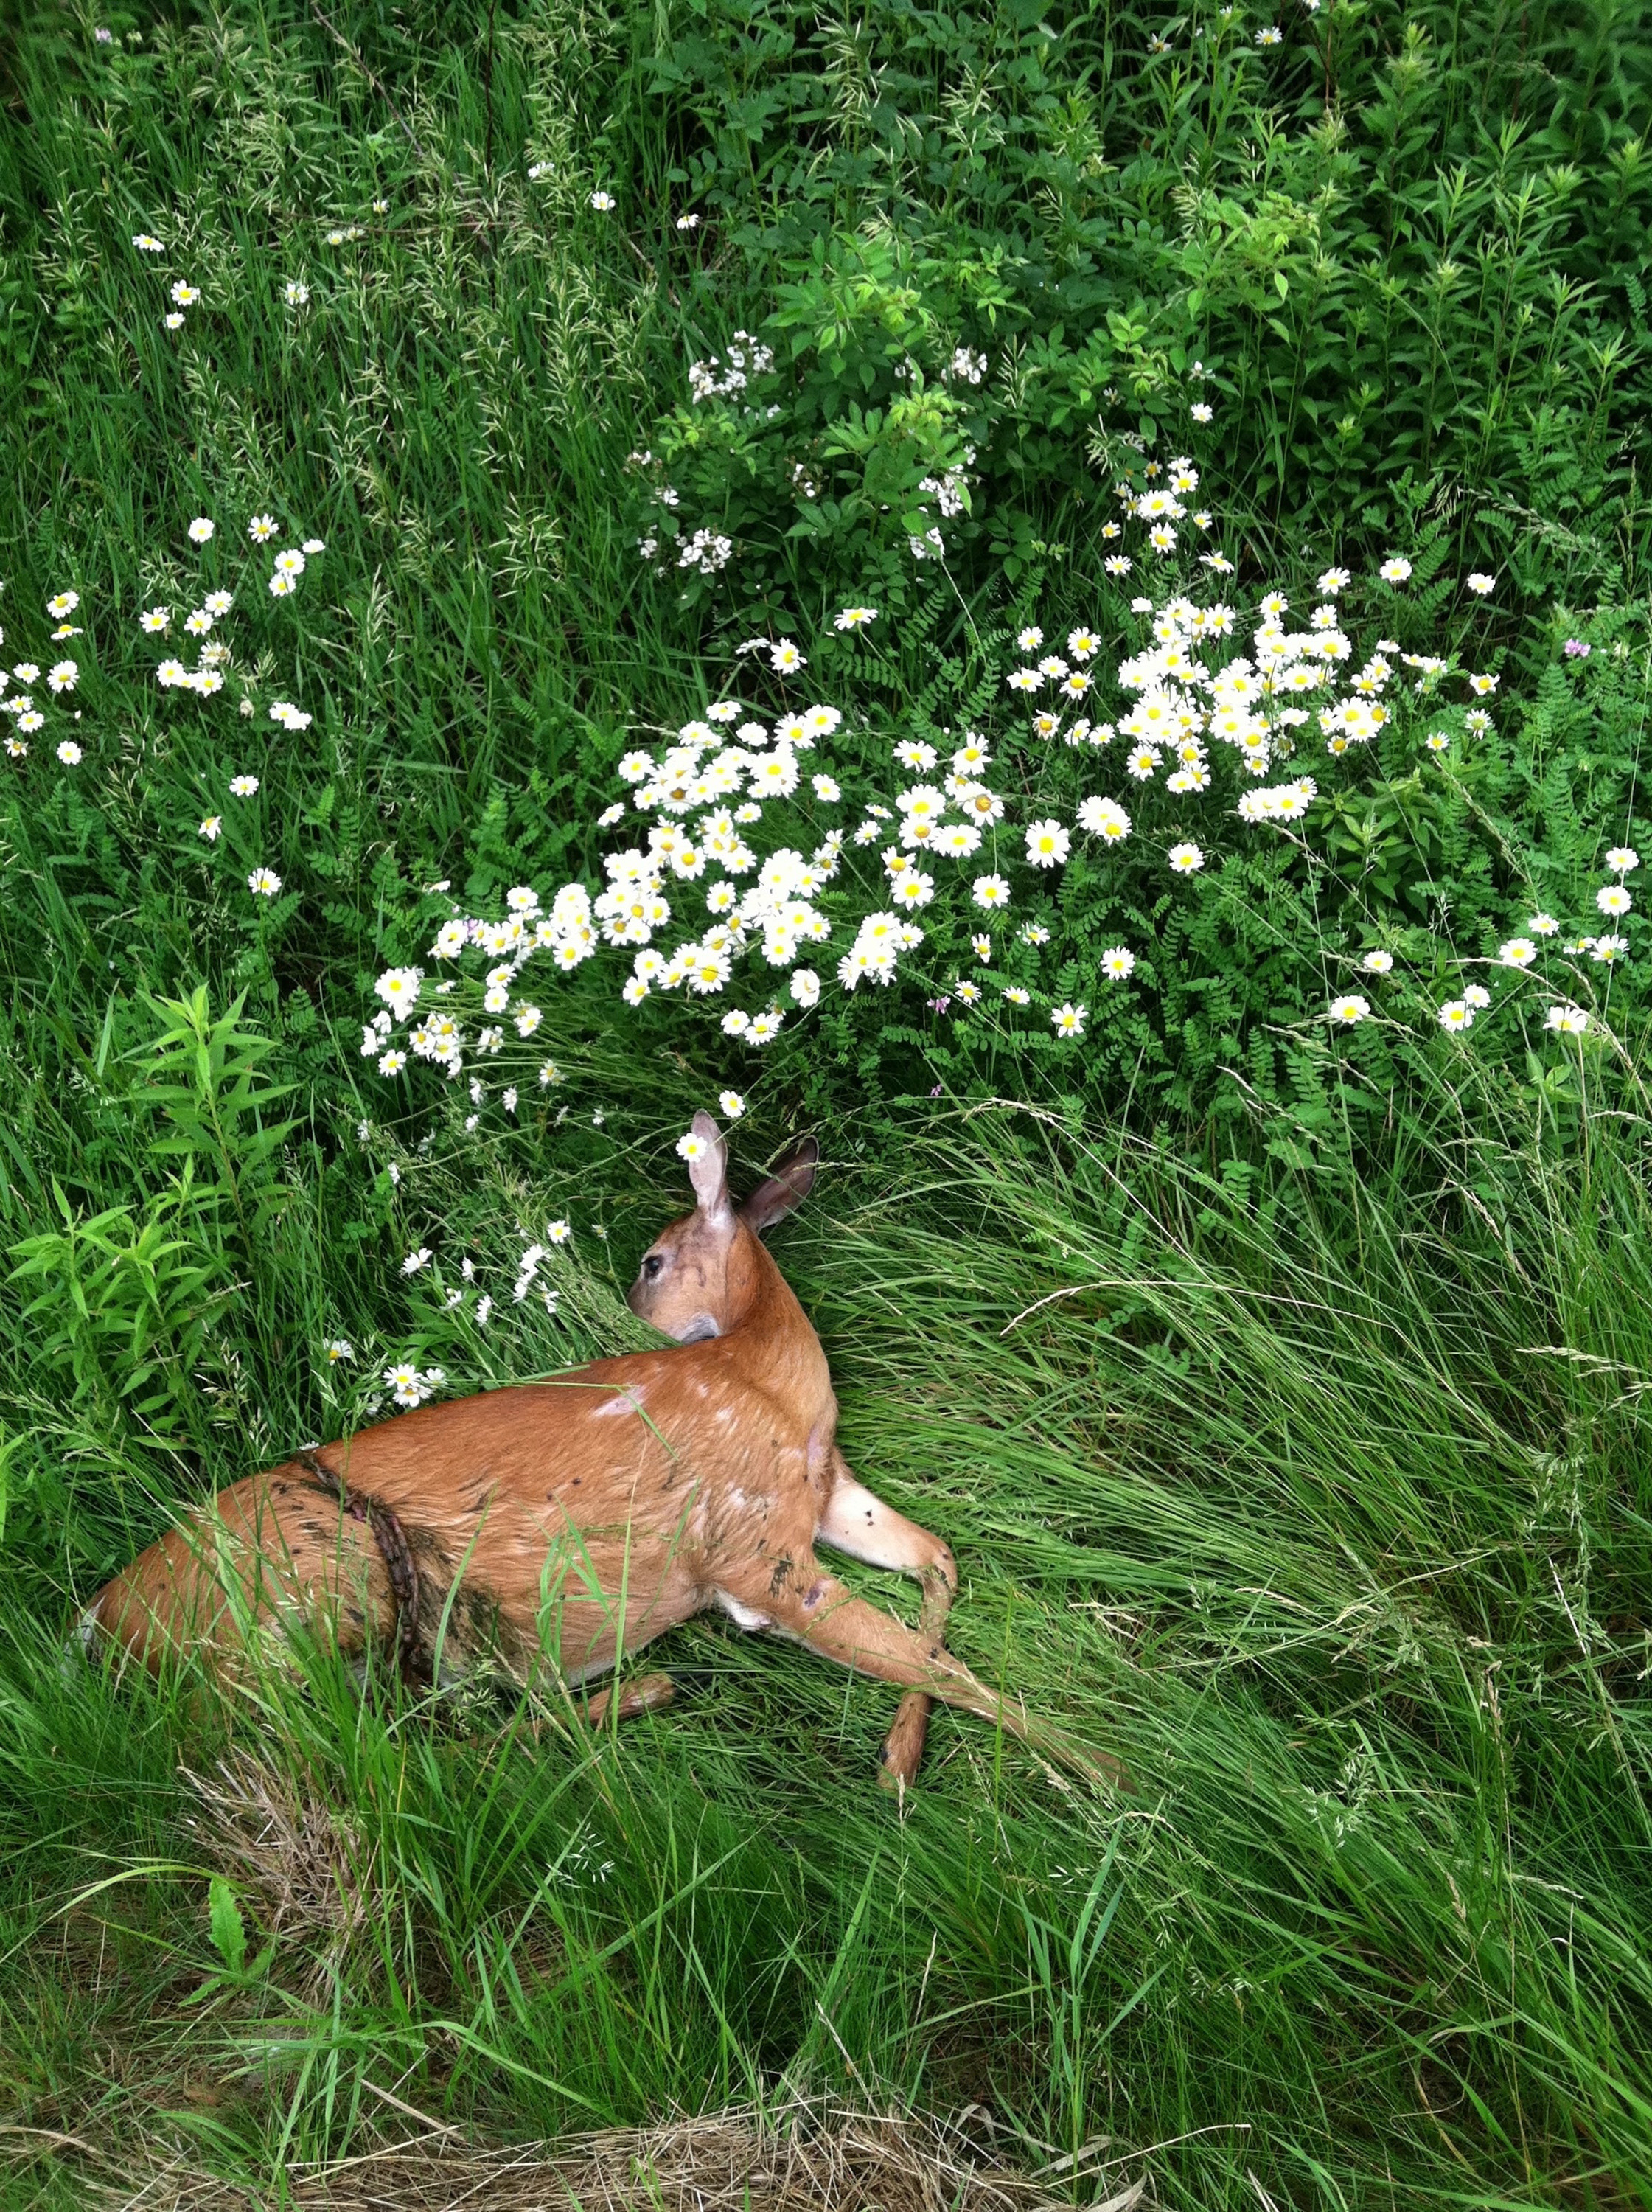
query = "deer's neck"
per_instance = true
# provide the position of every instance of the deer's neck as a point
(769, 1337)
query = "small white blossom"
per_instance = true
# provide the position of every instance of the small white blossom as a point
(1047, 844)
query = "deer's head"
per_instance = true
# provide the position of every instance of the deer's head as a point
(697, 1276)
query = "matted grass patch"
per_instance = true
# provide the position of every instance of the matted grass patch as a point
(811, 2157)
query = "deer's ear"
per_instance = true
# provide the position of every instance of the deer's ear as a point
(709, 1173)
(787, 1189)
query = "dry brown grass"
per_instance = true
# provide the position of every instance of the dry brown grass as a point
(808, 2158)
(302, 1863)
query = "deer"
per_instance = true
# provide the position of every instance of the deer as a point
(566, 1523)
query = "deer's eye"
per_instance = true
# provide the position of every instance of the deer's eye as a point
(652, 1265)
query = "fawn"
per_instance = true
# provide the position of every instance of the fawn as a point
(566, 1523)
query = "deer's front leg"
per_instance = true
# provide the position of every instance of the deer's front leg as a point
(813, 1609)
(859, 1523)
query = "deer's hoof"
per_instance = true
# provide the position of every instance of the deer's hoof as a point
(649, 1693)
(893, 1781)
(903, 1747)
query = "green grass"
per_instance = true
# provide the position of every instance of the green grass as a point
(1294, 1507)
(1291, 1449)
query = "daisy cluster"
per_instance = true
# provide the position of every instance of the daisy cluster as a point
(1193, 701)
(290, 562)
(214, 654)
(733, 860)
(403, 1381)
(206, 679)
(410, 1384)
(214, 661)
(62, 679)
(1522, 953)
(294, 291)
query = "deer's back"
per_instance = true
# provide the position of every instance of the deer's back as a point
(651, 1464)
(657, 1473)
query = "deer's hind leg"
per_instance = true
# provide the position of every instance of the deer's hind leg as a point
(271, 1550)
(858, 1522)
(647, 1694)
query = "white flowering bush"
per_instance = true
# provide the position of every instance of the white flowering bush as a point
(1049, 871)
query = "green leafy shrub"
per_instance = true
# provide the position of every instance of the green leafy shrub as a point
(1006, 248)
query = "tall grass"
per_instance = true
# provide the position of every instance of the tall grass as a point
(1318, 1503)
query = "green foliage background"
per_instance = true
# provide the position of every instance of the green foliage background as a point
(1283, 1405)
